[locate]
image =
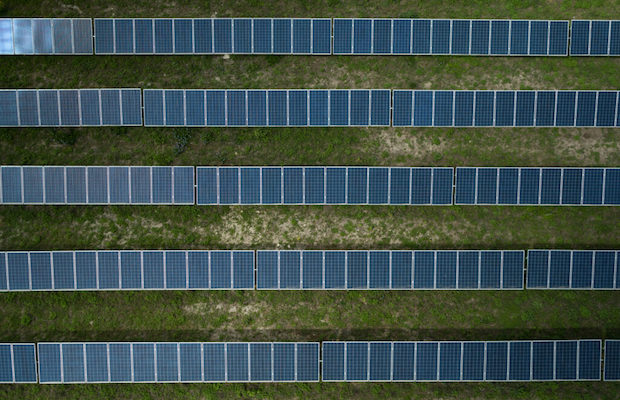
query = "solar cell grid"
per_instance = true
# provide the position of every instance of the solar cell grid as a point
(213, 36)
(544, 186)
(324, 185)
(595, 38)
(461, 361)
(389, 270)
(572, 269)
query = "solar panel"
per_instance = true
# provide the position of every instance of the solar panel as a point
(612, 360)
(450, 37)
(266, 107)
(462, 361)
(595, 38)
(176, 362)
(324, 185)
(213, 36)
(71, 107)
(389, 270)
(97, 185)
(537, 186)
(126, 270)
(572, 269)
(32, 36)
(18, 363)
(505, 108)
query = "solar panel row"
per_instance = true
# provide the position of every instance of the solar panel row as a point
(538, 186)
(178, 362)
(324, 185)
(612, 360)
(572, 269)
(131, 270)
(213, 36)
(595, 38)
(463, 108)
(266, 107)
(70, 107)
(96, 185)
(308, 185)
(454, 37)
(46, 36)
(361, 269)
(98, 362)
(462, 361)
(18, 363)
(303, 107)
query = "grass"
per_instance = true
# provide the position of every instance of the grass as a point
(321, 315)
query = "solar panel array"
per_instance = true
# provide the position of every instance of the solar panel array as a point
(362, 269)
(572, 269)
(548, 360)
(453, 37)
(506, 108)
(213, 36)
(18, 363)
(140, 185)
(96, 185)
(301, 107)
(178, 362)
(538, 186)
(595, 38)
(308, 107)
(46, 36)
(612, 360)
(324, 185)
(126, 270)
(70, 107)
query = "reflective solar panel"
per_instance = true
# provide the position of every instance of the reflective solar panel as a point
(595, 38)
(572, 269)
(32, 36)
(542, 186)
(97, 185)
(213, 36)
(175, 107)
(324, 185)
(504, 108)
(461, 361)
(18, 363)
(374, 270)
(165, 362)
(131, 270)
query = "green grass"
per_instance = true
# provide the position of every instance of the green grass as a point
(321, 315)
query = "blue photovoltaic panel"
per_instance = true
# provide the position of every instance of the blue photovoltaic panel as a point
(135, 270)
(80, 107)
(566, 186)
(206, 36)
(572, 269)
(462, 361)
(160, 362)
(473, 37)
(319, 269)
(612, 360)
(18, 363)
(268, 108)
(504, 108)
(595, 38)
